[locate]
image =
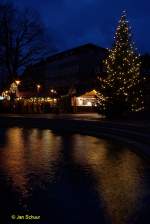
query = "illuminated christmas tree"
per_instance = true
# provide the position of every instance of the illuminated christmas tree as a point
(121, 85)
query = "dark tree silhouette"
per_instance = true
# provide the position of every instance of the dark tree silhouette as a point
(22, 39)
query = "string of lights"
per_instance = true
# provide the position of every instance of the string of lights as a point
(122, 66)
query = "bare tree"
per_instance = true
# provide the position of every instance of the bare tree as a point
(22, 39)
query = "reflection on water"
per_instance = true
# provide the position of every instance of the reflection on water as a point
(29, 156)
(72, 178)
(116, 171)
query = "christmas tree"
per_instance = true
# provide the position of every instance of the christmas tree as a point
(121, 87)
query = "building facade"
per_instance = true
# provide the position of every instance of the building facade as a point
(76, 68)
(65, 81)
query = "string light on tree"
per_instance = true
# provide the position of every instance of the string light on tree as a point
(122, 85)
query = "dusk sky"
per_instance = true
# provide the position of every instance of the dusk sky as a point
(74, 22)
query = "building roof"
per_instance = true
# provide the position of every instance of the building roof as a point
(72, 51)
(91, 93)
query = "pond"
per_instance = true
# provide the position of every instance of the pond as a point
(70, 178)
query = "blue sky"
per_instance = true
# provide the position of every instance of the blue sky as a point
(74, 22)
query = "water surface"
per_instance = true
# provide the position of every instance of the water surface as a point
(70, 178)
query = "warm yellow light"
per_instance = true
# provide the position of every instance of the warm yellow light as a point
(38, 86)
(17, 82)
(94, 91)
(53, 91)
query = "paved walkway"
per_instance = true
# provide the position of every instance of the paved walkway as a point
(84, 117)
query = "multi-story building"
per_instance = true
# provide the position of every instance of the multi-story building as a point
(64, 77)
(74, 68)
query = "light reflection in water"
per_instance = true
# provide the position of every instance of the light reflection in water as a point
(30, 156)
(72, 172)
(116, 173)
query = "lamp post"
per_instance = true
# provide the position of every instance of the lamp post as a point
(17, 83)
(38, 87)
(53, 93)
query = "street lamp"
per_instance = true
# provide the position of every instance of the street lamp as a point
(53, 94)
(38, 87)
(53, 91)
